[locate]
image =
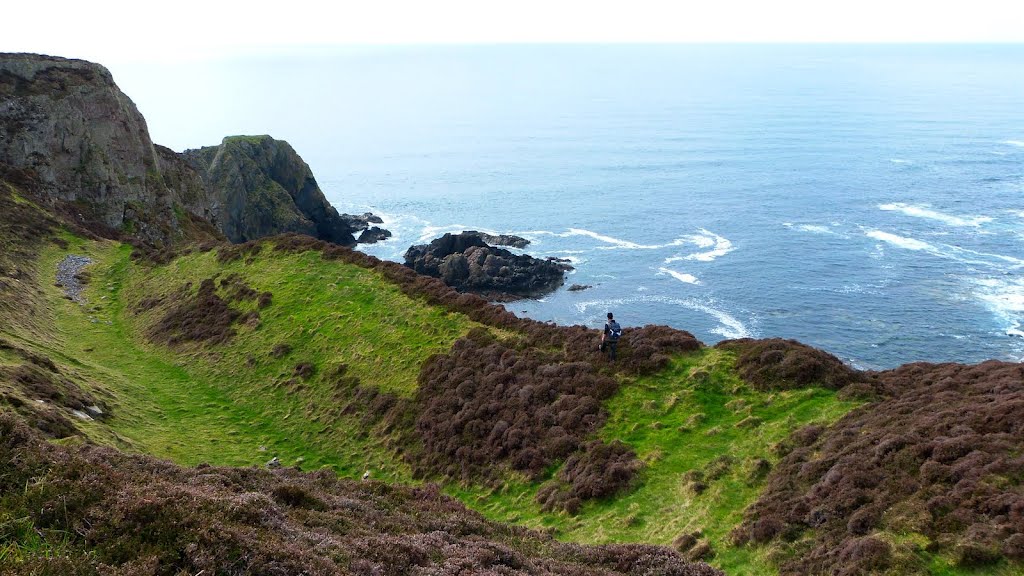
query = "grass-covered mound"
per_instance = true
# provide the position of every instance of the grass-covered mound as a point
(86, 510)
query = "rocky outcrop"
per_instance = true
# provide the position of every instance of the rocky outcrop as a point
(505, 240)
(87, 144)
(260, 187)
(373, 235)
(468, 264)
(89, 150)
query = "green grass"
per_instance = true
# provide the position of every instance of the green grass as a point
(203, 404)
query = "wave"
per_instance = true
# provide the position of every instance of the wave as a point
(681, 276)
(719, 245)
(899, 161)
(901, 241)
(956, 253)
(812, 228)
(1004, 298)
(729, 326)
(705, 239)
(1017, 143)
(919, 211)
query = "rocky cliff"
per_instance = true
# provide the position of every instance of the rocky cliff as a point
(67, 124)
(260, 187)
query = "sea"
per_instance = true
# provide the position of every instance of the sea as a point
(864, 199)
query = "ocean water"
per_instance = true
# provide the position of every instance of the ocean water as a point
(868, 200)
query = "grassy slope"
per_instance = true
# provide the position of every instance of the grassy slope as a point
(679, 421)
(215, 405)
(196, 405)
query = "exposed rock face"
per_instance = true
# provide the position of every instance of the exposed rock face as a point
(88, 146)
(465, 262)
(86, 142)
(260, 187)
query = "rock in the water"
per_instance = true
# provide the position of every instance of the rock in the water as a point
(373, 235)
(504, 240)
(465, 262)
(578, 287)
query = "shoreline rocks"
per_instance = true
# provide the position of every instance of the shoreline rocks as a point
(502, 239)
(467, 263)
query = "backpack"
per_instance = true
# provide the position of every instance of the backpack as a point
(615, 331)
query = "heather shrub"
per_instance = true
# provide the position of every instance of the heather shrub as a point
(777, 364)
(104, 512)
(938, 456)
(597, 471)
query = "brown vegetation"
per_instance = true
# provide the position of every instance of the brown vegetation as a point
(598, 470)
(940, 457)
(110, 513)
(43, 396)
(208, 315)
(777, 364)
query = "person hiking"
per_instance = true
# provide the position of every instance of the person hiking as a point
(610, 338)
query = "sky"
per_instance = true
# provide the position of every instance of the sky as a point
(116, 31)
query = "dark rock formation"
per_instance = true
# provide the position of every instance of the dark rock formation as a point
(88, 148)
(260, 187)
(504, 240)
(579, 287)
(465, 262)
(373, 235)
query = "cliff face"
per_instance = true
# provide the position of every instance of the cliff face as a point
(87, 144)
(67, 123)
(260, 186)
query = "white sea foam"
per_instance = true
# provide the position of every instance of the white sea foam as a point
(719, 245)
(1004, 298)
(901, 241)
(705, 239)
(899, 161)
(681, 276)
(999, 262)
(811, 228)
(729, 326)
(919, 211)
(1017, 143)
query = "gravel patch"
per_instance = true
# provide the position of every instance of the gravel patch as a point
(67, 276)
